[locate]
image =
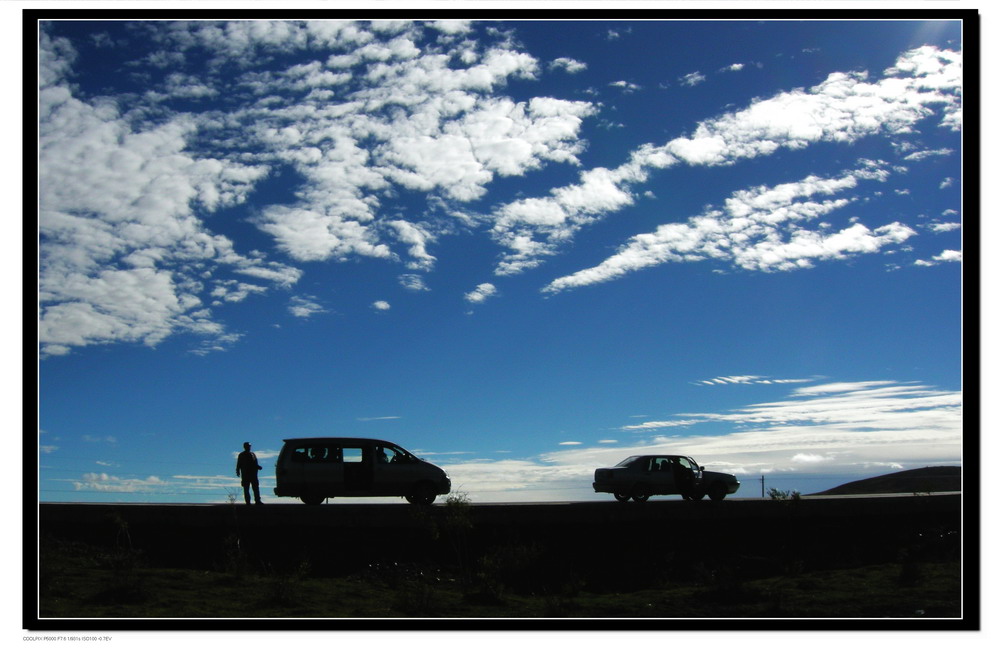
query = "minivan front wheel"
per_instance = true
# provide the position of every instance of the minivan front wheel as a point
(312, 499)
(423, 494)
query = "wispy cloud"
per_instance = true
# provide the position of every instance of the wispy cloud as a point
(413, 282)
(109, 483)
(748, 379)
(844, 108)
(758, 229)
(692, 79)
(305, 306)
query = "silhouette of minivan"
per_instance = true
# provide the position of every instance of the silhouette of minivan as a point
(316, 468)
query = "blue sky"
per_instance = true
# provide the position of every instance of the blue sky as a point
(520, 249)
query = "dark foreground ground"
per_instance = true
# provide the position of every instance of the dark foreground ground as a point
(889, 558)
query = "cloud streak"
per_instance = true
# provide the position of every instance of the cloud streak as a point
(850, 429)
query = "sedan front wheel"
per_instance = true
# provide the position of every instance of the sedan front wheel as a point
(717, 491)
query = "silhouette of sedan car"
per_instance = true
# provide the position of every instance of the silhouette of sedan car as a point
(640, 476)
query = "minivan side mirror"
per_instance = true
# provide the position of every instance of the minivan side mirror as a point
(701, 468)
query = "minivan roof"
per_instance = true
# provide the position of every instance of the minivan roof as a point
(338, 440)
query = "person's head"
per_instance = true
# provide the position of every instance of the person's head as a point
(246, 446)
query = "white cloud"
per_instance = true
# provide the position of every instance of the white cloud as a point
(759, 229)
(304, 306)
(810, 458)
(569, 65)
(481, 293)
(842, 109)
(692, 79)
(943, 227)
(656, 425)
(946, 256)
(923, 155)
(417, 238)
(124, 256)
(626, 86)
(413, 282)
(123, 197)
(378, 110)
(847, 428)
(381, 305)
(748, 379)
(109, 483)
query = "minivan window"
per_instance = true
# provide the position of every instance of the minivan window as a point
(315, 454)
(353, 455)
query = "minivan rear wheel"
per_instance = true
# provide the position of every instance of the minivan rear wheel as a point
(313, 499)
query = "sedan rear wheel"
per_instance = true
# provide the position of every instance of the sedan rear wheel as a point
(620, 497)
(640, 494)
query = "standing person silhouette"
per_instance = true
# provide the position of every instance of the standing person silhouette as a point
(246, 469)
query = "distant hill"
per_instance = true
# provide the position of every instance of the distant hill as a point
(928, 479)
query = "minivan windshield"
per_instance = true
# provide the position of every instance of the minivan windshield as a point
(627, 461)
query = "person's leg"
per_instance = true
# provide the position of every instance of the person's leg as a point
(246, 491)
(256, 491)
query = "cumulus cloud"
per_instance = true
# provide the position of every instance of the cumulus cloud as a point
(945, 256)
(381, 305)
(626, 86)
(481, 293)
(124, 255)
(126, 250)
(360, 114)
(569, 65)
